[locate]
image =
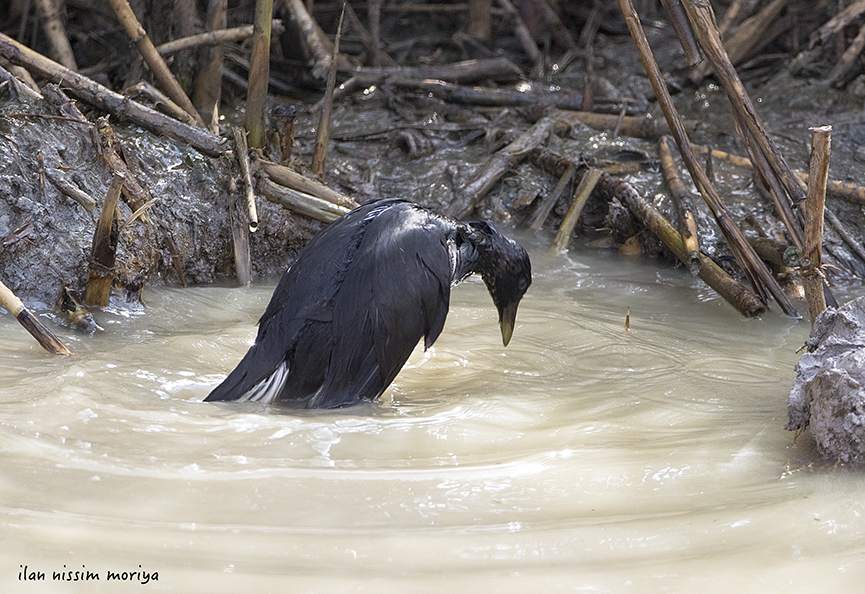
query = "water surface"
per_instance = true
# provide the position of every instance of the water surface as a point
(582, 458)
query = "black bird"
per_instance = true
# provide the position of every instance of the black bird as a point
(348, 312)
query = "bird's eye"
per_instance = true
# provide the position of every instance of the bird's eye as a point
(524, 284)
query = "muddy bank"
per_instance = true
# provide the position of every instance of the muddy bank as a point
(183, 238)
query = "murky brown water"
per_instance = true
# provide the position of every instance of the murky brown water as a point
(581, 458)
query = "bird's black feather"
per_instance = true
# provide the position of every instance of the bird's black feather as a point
(347, 314)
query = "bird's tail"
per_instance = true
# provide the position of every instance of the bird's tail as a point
(266, 391)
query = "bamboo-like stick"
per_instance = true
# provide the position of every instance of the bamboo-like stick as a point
(100, 269)
(259, 75)
(776, 252)
(683, 202)
(52, 24)
(584, 189)
(108, 100)
(812, 276)
(549, 201)
(289, 178)
(322, 135)
(242, 152)
(758, 274)
(31, 323)
(301, 203)
(837, 189)
(148, 51)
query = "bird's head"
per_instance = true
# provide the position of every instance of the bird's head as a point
(506, 270)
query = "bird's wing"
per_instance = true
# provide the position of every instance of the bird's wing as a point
(302, 300)
(396, 290)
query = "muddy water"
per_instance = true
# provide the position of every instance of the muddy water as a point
(581, 458)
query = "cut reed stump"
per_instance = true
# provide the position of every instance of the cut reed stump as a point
(100, 269)
(812, 276)
(38, 330)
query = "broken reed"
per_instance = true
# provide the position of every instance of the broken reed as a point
(43, 335)
(100, 269)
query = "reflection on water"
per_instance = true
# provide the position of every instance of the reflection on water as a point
(581, 458)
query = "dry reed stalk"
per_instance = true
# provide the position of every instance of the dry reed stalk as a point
(581, 195)
(479, 19)
(758, 274)
(549, 201)
(208, 85)
(289, 178)
(812, 276)
(682, 201)
(322, 135)
(31, 323)
(301, 203)
(148, 51)
(259, 75)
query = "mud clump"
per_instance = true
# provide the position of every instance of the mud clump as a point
(828, 396)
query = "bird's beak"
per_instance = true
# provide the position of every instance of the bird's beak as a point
(507, 318)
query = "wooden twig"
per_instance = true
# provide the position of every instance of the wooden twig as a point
(498, 164)
(52, 24)
(215, 36)
(322, 135)
(69, 189)
(31, 323)
(851, 54)
(837, 23)
(530, 47)
(208, 85)
(314, 41)
(758, 274)
(584, 189)
(812, 276)
(679, 20)
(155, 96)
(148, 51)
(289, 178)
(549, 201)
(242, 152)
(100, 269)
(848, 192)
(775, 252)
(108, 100)
(683, 202)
